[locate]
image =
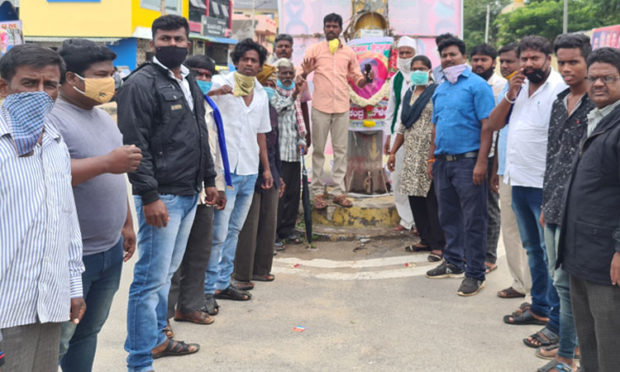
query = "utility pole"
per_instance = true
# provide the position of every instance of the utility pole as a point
(565, 28)
(486, 28)
(162, 5)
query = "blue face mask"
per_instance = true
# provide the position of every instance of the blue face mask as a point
(205, 86)
(419, 78)
(290, 87)
(270, 92)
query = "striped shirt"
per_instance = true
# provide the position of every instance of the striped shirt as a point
(40, 241)
(290, 126)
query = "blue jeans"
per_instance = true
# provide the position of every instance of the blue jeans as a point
(100, 282)
(227, 224)
(462, 215)
(526, 203)
(561, 282)
(160, 251)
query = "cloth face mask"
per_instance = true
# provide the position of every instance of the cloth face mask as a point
(244, 85)
(100, 90)
(452, 73)
(27, 112)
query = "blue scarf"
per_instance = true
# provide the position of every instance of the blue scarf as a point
(290, 87)
(220, 139)
(27, 113)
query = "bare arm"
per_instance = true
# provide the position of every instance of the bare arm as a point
(121, 160)
(486, 138)
(497, 118)
(264, 160)
(398, 142)
(431, 155)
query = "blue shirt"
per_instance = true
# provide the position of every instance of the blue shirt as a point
(457, 111)
(40, 242)
(502, 139)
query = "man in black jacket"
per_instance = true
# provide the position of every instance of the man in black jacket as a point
(161, 110)
(590, 237)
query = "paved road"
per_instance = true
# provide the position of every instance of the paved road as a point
(370, 309)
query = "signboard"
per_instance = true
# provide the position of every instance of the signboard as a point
(606, 37)
(10, 35)
(210, 17)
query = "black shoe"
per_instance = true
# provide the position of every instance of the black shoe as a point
(470, 287)
(445, 270)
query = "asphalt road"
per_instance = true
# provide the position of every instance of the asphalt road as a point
(369, 309)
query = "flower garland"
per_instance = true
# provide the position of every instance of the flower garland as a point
(372, 101)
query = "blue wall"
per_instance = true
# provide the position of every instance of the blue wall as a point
(127, 52)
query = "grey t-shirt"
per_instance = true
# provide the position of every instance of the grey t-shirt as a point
(101, 202)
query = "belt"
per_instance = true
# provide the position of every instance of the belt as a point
(467, 155)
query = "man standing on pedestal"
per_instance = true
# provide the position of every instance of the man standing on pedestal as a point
(333, 64)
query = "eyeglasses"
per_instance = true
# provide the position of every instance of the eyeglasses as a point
(605, 79)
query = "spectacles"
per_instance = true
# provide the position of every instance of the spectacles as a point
(605, 79)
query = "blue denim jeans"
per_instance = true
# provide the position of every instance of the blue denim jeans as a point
(160, 251)
(561, 282)
(100, 282)
(462, 215)
(227, 224)
(526, 203)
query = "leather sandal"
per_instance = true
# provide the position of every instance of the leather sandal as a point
(342, 201)
(197, 317)
(176, 348)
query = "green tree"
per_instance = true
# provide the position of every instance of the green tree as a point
(544, 17)
(474, 20)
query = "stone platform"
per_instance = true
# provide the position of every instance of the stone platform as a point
(370, 217)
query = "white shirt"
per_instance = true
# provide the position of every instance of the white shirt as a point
(40, 242)
(241, 124)
(528, 130)
(497, 83)
(389, 111)
(183, 83)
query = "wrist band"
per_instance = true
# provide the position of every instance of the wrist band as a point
(508, 99)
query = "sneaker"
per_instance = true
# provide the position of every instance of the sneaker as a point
(445, 270)
(470, 287)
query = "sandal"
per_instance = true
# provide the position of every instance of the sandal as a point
(510, 293)
(522, 308)
(542, 338)
(319, 202)
(342, 201)
(168, 330)
(526, 317)
(232, 293)
(264, 278)
(547, 352)
(244, 286)
(176, 348)
(293, 238)
(418, 247)
(556, 366)
(211, 307)
(490, 267)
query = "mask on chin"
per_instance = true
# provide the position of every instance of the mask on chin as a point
(171, 56)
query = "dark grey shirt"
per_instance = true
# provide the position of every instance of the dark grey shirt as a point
(565, 134)
(101, 202)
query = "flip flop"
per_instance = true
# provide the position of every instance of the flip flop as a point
(555, 366)
(319, 202)
(526, 317)
(490, 267)
(510, 293)
(342, 201)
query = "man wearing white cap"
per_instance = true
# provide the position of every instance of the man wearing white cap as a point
(399, 84)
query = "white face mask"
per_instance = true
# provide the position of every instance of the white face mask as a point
(404, 65)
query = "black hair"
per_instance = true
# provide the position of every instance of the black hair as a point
(602, 55)
(510, 47)
(424, 59)
(201, 61)
(80, 54)
(29, 55)
(535, 42)
(443, 37)
(170, 22)
(485, 50)
(245, 45)
(573, 41)
(333, 17)
(283, 37)
(452, 41)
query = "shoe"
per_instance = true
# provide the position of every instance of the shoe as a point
(197, 317)
(445, 270)
(278, 246)
(470, 287)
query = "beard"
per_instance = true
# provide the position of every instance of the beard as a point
(537, 75)
(486, 74)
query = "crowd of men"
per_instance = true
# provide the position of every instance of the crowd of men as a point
(214, 161)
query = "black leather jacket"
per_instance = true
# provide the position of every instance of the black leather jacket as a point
(153, 114)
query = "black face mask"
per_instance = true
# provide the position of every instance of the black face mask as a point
(171, 56)
(486, 74)
(537, 76)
